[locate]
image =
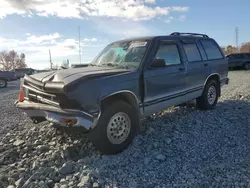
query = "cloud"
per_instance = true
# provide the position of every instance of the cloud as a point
(169, 20)
(182, 18)
(125, 9)
(90, 40)
(36, 47)
(150, 1)
(44, 39)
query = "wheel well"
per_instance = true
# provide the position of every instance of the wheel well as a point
(124, 96)
(2, 78)
(217, 79)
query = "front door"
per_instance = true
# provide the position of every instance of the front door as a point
(164, 86)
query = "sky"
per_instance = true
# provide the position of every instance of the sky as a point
(34, 27)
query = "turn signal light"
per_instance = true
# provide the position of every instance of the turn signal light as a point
(21, 96)
(68, 121)
(21, 93)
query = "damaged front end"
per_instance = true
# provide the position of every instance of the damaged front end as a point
(43, 101)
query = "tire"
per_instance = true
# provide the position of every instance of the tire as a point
(105, 135)
(3, 83)
(205, 102)
(247, 66)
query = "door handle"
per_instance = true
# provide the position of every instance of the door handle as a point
(205, 64)
(181, 69)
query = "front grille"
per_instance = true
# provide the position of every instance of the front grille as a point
(35, 95)
(59, 100)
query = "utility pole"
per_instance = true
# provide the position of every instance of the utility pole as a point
(80, 45)
(237, 38)
(50, 60)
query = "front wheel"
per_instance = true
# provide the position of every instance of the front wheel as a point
(210, 95)
(115, 129)
(3, 83)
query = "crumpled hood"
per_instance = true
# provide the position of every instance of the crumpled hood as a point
(70, 75)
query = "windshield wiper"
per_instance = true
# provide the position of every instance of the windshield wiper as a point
(109, 64)
(113, 65)
(92, 64)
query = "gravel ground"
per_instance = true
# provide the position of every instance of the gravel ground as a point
(179, 147)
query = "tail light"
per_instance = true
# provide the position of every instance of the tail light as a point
(21, 92)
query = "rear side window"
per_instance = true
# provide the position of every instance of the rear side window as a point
(192, 52)
(238, 56)
(211, 49)
(247, 55)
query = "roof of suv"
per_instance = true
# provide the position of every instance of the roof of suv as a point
(174, 34)
(239, 53)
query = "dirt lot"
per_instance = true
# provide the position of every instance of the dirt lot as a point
(180, 147)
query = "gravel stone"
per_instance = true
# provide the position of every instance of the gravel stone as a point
(18, 142)
(177, 147)
(11, 186)
(161, 157)
(84, 181)
(19, 182)
(66, 168)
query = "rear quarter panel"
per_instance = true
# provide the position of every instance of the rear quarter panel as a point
(218, 66)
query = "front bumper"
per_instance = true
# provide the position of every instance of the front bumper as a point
(67, 117)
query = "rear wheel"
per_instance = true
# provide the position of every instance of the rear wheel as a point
(247, 66)
(210, 95)
(115, 129)
(3, 83)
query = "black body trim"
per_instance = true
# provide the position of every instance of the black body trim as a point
(171, 96)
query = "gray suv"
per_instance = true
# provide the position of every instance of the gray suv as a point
(241, 60)
(129, 79)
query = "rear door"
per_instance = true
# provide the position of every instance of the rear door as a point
(164, 86)
(197, 69)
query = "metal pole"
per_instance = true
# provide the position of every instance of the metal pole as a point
(50, 59)
(80, 45)
(237, 38)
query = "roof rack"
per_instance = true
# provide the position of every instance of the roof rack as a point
(192, 34)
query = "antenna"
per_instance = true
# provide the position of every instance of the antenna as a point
(237, 38)
(80, 45)
(50, 60)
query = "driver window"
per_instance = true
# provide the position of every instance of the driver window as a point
(168, 52)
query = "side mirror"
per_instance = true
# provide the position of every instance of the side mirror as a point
(158, 63)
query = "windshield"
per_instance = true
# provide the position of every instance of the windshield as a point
(128, 54)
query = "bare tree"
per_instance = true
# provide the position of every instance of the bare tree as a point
(229, 49)
(245, 47)
(11, 60)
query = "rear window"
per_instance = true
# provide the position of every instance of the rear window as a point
(211, 49)
(192, 52)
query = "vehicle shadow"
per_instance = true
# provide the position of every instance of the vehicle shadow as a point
(236, 69)
(199, 148)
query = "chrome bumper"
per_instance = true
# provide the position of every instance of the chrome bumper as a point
(67, 117)
(57, 118)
